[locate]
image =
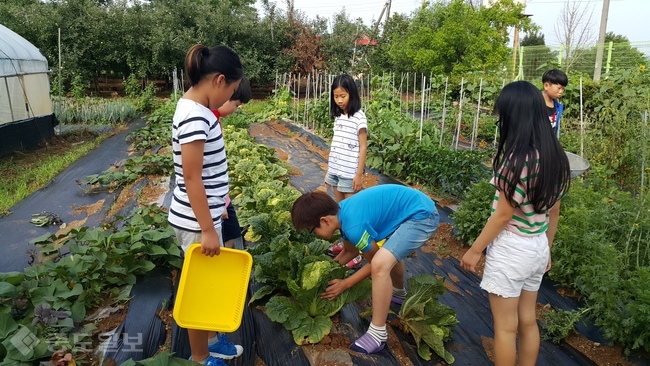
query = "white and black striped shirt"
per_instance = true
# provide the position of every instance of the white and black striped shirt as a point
(344, 152)
(193, 122)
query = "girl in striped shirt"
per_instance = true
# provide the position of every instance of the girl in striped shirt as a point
(201, 169)
(531, 174)
(347, 158)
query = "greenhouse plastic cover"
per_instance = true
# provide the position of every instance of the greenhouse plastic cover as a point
(18, 56)
(24, 82)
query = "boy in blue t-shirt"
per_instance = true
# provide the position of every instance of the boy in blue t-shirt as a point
(406, 217)
(555, 81)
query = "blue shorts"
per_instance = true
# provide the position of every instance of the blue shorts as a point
(343, 185)
(411, 235)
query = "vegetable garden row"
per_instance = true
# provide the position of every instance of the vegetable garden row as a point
(602, 248)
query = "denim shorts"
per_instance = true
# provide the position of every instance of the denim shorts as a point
(411, 235)
(514, 263)
(343, 185)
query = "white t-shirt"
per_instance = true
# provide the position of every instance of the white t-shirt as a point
(344, 152)
(193, 121)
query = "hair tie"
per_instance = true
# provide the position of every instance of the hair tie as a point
(205, 51)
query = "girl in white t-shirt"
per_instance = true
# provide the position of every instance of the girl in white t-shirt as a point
(347, 159)
(201, 171)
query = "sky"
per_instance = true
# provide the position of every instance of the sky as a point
(626, 17)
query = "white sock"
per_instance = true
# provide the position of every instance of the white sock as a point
(399, 292)
(378, 333)
(213, 340)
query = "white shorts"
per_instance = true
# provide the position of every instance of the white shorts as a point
(514, 263)
(187, 238)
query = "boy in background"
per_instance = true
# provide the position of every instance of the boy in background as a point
(555, 81)
(230, 225)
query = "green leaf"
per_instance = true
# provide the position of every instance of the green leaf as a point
(261, 293)
(313, 273)
(78, 310)
(7, 289)
(174, 250)
(146, 266)
(7, 325)
(156, 250)
(77, 289)
(13, 278)
(154, 235)
(312, 330)
(137, 245)
(279, 308)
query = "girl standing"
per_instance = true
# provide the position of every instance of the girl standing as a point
(347, 159)
(531, 174)
(201, 169)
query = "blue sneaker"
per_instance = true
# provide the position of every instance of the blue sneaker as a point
(225, 349)
(212, 361)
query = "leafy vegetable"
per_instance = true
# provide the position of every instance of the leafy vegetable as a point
(425, 318)
(306, 314)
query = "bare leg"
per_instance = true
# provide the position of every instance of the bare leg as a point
(504, 313)
(230, 243)
(198, 344)
(528, 331)
(382, 289)
(397, 275)
(338, 195)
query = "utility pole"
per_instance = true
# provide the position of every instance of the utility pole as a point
(385, 9)
(601, 40)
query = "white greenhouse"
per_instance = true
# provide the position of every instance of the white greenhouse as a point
(26, 116)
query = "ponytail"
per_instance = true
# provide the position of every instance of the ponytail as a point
(201, 61)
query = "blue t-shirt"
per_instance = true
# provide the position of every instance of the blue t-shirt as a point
(375, 213)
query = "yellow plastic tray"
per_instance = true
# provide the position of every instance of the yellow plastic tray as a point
(212, 290)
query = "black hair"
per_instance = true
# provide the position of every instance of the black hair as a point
(310, 207)
(346, 82)
(201, 61)
(243, 92)
(527, 139)
(555, 76)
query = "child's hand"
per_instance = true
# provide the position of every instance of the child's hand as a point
(357, 183)
(224, 215)
(548, 266)
(210, 243)
(470, 259)
(335, 288)
(327, 185)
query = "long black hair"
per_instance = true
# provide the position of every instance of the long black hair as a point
(346, 82)
(527, 139)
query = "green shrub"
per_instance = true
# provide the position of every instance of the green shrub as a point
(475, 211)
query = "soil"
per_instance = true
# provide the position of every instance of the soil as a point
(444, 244)
(369, 180)
(103, 326)
(396, 348)
(156, 187)
(126, 194)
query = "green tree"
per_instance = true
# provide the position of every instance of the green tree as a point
(457, 37)
(339, 46)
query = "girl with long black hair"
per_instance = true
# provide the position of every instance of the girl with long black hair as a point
(531, 174)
